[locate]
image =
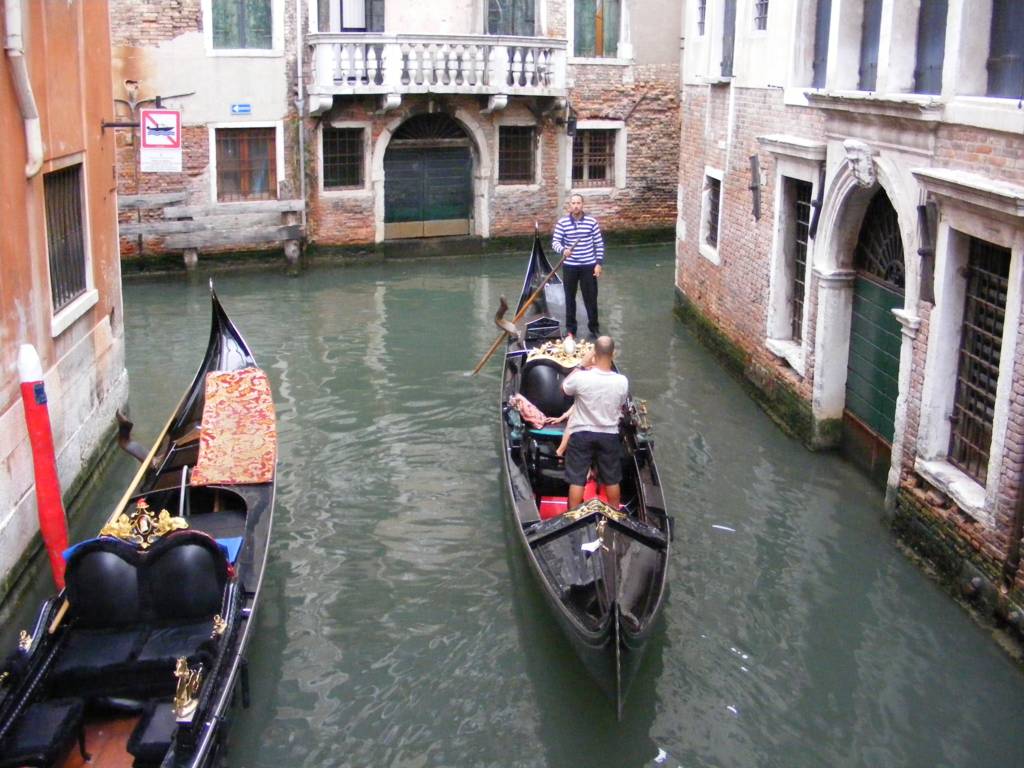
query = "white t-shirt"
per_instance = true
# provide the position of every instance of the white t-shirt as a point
(600, 396)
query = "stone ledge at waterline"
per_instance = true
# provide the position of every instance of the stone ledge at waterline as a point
(934, 540)
(436, 247)
(778, 399)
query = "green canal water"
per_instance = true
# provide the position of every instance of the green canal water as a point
(398, 626)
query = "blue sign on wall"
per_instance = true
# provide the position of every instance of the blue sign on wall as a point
(241, 109)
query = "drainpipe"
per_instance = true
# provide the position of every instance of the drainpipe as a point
(14, 46)
(300, 103)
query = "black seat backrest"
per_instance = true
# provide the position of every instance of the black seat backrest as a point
(184, 576)
(542, 386)
(103, 584)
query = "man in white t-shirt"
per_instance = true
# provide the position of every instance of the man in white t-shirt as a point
(593, 425)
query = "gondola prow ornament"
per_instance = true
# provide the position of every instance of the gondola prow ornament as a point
(52, 522)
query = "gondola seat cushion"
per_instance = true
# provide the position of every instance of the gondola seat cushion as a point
(92, 654)
(151, 738)
(102, 579)
(165, 645)
(185, 575)
(542, 385)
(43, 733)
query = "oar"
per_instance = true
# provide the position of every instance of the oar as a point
(519, 315)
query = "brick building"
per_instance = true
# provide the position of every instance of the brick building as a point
(457, 117)
(851, 193)
(61, 280)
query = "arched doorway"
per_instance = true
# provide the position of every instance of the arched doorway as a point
(428, 179)
(872, 381)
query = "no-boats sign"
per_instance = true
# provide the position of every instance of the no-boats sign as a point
(160, 150)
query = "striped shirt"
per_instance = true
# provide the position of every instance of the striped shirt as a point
(583, 236)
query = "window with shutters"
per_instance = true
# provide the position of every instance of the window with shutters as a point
(710, 214)
(343, 157)
(761, 14)
(511, 17)
(516, 153)
(593, 158)
(931, 46)
(869, 38)
(728, 37)
(246, 164)
(1006, 50)
(65, 235)
(242, 24)
(596, 27)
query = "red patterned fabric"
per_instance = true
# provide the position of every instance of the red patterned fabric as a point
(238, 439)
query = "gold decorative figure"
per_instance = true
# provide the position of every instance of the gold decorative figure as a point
(186, 693)
(24, 641)
(558, 352)
(219, 626)
(142, 527)
(592, 506)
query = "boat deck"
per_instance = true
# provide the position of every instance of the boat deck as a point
(105, 741)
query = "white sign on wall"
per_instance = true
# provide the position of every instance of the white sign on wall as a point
(160, 150)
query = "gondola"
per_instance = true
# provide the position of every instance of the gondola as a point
(602, 571)
(139, 658)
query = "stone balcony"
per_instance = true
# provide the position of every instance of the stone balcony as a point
(394, 65)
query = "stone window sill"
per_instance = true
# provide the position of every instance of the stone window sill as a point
(63, 319)
(790, 351)
(709, 252)
(966, 492)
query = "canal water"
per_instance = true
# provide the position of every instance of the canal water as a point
(398, 626)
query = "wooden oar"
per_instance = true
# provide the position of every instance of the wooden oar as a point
(519, 314)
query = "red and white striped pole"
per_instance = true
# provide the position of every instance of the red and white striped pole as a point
(52, 523)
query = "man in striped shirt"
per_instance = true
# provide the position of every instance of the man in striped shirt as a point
(578, 238)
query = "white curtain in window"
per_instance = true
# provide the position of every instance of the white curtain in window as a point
(353, 14)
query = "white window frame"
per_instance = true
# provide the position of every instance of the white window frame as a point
(362, 191)
(276, 35)
(624, 50)
(801, 159)
(970, 206)
(537, 159)
(708, 251)
(62, 320)
(278, 126)
(619, 126)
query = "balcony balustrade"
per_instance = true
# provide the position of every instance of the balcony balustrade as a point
(357, 64)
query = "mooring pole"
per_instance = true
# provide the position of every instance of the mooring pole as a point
(52, 523)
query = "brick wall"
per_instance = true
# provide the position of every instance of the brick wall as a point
(144, 23)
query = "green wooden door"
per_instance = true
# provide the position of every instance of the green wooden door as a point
(428, 191)
(873, 370)
(872, 379)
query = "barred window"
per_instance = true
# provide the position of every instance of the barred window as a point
(713, 200)
(760, 14)
(343, 157)
(246, 164)
(702, 14)
(593, 158)
(242, 24)
(65, 236)
(516, 154)
(799, 193)
(981, 338)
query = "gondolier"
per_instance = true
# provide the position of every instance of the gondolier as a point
(578, 237)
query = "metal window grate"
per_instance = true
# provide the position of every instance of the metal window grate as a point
(714, 192)
(515, 154)
(761, 14)
(988, 270)
(802, 221)
(1006, 50)
(593, 158)
(343, 157)
(246, 164)
(702, 14)
(65, 237)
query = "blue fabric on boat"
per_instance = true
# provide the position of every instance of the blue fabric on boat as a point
(231, 547)
(548, 432)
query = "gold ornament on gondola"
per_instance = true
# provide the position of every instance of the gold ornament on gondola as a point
(186, 693)
(556, 352)
(592, 506)
(219, 626)
(142, 527)
(24, 641)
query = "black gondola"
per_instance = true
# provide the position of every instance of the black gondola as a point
(140, 655)
(602, 571)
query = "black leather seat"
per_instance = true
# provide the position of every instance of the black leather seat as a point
(542, 385)
(151, 738)
(43, 734)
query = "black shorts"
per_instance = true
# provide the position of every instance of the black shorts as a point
(584, 448)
